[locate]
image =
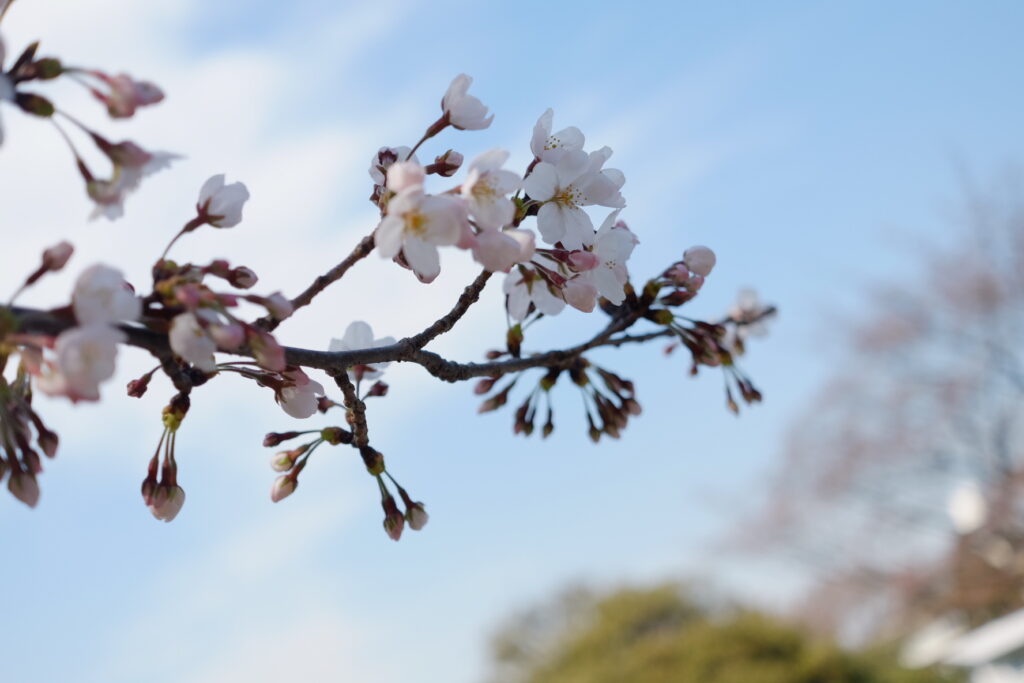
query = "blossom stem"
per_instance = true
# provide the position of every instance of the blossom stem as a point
(189, 227)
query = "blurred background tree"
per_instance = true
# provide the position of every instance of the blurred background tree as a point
(898, 491)
(665, 634)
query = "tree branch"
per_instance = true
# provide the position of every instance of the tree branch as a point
(361, 251)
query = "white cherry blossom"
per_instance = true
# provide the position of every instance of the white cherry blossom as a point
(576, 181)
(102, 296)
(699, 260)
(486, 188)
(299, 398)
(189, 340)
(551, 147)
(359, 335)
(85, 357)
(464, 111)
(499, 250)
(524, 286)
(416, 224)
(612, 246)
(222, 204)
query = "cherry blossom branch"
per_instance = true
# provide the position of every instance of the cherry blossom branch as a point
(361, 251)
(355, 407)
(469, 296)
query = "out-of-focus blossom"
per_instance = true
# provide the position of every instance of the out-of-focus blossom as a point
(699, 260)
(464, 111)
(551, 147)
(57, 256)
(24, 487)
(385, 158)
(189, 340)
(417, 516)
(101, 295)
(300, 395)
(166, 502)
(581, 294)
(131, 163)
(283, 487)
(126, 94)
(499, 250)
(220, 204)
(359, 335)
(487, 187)
(403, 175)
(85, 357)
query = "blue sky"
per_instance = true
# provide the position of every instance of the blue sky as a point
(809, 145)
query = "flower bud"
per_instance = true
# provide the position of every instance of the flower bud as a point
(24, 487)
(417, 516)
(57, 256)
(283, 487)
(336, 435)
(242, 278)
(699, 260)
(284, 460)
(379, 388)
(275, 438)
(394, 522)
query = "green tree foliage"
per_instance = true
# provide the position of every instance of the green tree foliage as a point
(661, 635)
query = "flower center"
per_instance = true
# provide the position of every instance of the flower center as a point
(415, 222)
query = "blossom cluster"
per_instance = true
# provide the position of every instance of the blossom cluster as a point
(536, 227)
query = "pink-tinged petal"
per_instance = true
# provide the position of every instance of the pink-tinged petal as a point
(542, 183)
(496, 251)
(527, 244)
(388, 236)
(581, 294)
(422, 257)
(404, 175)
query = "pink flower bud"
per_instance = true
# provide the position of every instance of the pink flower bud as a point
(582, 261)
(699, 260)
(48, 441)
(228, 337)
(283, 487)
(283, 461)
(24, 487)
(57, 256)
(417, 516)
(167, 502)
(242, 277)
(278, 305)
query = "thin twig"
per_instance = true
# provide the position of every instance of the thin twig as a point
(361, 251)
